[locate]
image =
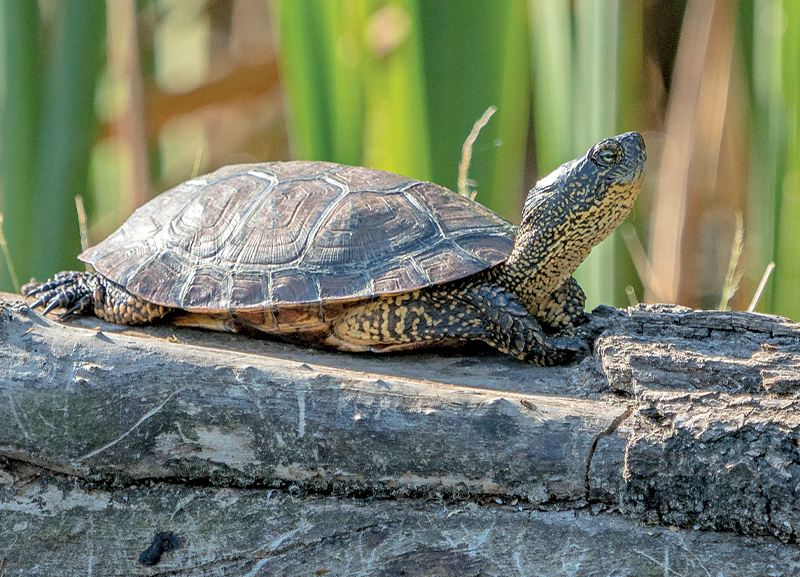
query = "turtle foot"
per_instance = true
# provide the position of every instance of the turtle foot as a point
(70, 290)
(91, 293)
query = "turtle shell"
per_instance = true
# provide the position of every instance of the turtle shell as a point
(298, 233)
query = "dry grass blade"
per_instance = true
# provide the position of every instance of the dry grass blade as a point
(731, 278)
(760, 289)
(82, 221)
(7, 256)
(466, 154)
(198, 160)
(83, 227)
(631, 292)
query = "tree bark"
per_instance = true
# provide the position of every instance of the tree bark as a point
(672, 449)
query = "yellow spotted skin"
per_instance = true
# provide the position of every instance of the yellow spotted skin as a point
(406, 318)
(528, 305)
(473, 310)
(562, 311)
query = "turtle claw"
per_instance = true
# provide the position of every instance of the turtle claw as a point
(82, 305)
(575, 348)
(67, 290)
(571, 344)
(59, 302)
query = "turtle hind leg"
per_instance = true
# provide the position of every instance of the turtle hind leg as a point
(470, 311)
(90, 293)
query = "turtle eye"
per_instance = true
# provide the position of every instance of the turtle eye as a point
(607, 154)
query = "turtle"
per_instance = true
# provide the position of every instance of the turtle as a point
(358, 259)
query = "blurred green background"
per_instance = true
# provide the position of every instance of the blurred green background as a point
(118, 101)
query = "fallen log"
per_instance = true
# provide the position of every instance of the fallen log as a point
(677, 437)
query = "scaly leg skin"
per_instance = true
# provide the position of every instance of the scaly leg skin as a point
(470, 310)
(562, 313)
(89, 293)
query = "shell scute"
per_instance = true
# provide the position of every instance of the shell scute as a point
(204, 227)
(279, 223)
(294, 287)
(486, 247)
(397, 276)
(442, 261)
(208, 285)
(367, 227)
(164, 275)
(293, 171)
(358, 179)
(350, 285)
(250, 290)
(450, 211)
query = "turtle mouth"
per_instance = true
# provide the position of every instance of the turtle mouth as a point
(632, 176)
(632, 168)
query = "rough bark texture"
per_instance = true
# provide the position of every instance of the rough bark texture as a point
(672, 450)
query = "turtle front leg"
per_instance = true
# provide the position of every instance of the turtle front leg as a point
(90, 293)
(469, 311)
(562, 313)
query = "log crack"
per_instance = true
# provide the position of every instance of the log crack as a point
(136, 425)
(615, 424)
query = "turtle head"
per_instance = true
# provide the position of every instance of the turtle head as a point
(575, 207)
(596, 190)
